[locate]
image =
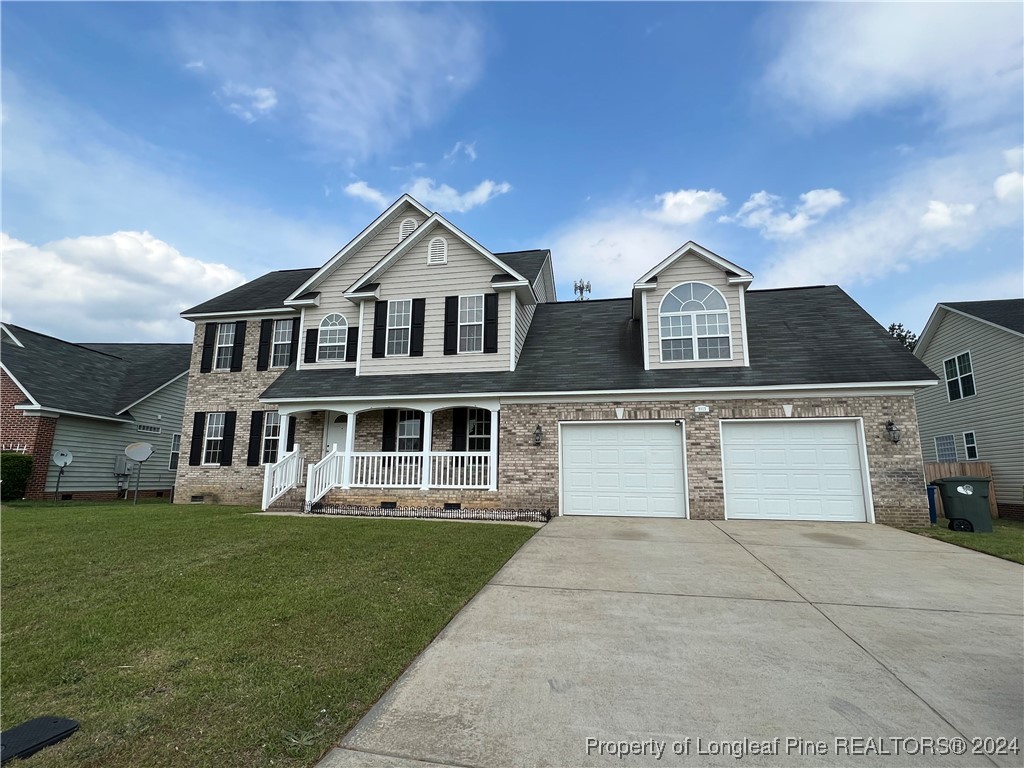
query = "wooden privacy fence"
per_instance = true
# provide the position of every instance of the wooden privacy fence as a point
(936, 470)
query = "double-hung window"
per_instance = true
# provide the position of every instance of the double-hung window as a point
(399, 327)
(971, 446)
(694, 324)
(959, 376)
(213, 438)
(281, 349)
(410, 431)
(224, 346)
(271, 436)
(945, 448)
(172, 463)
(471, 323)
(478, 429)
(333, 338)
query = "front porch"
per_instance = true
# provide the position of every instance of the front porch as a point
(442, 447)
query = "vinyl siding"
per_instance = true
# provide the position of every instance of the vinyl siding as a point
(544, 285)
(467, 272)
(332, 289)
(691, 268)
(995, 414)
(524, 316)
(95, 445)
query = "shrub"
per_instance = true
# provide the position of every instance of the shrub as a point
(15, 469)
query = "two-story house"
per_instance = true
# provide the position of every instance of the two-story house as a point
(418, 369)
(977, 350)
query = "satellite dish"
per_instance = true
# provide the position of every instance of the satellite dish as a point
(138, 451)
(61, 457)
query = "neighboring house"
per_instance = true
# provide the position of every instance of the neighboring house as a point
(977, 413)
(92, 400)
(418, 368)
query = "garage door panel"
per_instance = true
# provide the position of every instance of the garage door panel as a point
(795, 471)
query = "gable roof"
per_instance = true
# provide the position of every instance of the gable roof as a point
(526, 263)
(1007, 314)
(595, 346)
(266, 292)
(736, 273)
(100, 380)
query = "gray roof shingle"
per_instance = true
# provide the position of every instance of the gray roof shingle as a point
(796, 336)
(526, 263)
(1008, 313)
(93, 379)
(266, 292)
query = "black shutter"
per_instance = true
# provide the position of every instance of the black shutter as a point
(491, 322)
(195, 452)
(451, 325)
(419, 311)
(293, 353)
(352, 344)
(255, 439)
(389, 438)
(380, 328)
(459, 418)
(290, 445)
(209, 338)
(310, 356)
(239, 347)
(266, 334)
(228, 446)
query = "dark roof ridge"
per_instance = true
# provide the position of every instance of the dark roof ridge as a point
(589, 301)
(792, 288)
(80, 345)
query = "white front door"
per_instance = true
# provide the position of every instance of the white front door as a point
(334, 431)
(793, 470)
(623, 468)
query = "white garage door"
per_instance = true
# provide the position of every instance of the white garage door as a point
(623, 469)
(793, 470)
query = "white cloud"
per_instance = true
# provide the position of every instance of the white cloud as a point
(762, 211)
(126, 286)
(246, 102)
(363, 191)
(195, 66)
(356, 78)
(686, 206)
(1011, 185)
(443, 198)
(465, 148)
(916, 306)
(840, 59)
(941, 215)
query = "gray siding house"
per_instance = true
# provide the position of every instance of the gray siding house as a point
(92, 400)
(976, 348)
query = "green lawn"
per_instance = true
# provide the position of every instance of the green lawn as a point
(199, 635)
(1006, 540)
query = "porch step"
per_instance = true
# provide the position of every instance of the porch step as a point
(293, 500)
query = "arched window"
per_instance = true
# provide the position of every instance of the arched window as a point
(406, 228)
(694, 324)
(437, 252)
(332, 339)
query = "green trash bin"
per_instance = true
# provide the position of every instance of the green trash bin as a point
(965, 503)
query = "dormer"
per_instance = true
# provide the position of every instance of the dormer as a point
(692, 310)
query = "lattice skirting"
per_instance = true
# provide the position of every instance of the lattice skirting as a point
(431, 513)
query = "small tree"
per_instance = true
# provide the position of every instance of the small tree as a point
(904, 336)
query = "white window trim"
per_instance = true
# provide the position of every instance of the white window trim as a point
(693, 325)
(206, 437)
(430, 245)
(344, 342)
(461, 325)
(174, 452)
(974, 378)
(401, 227)
(274, 343)
(967, 446)
(388, 328)
(217, 346)
(276, 439)
(484, 419)
(938, 458)
(417, 416)
(149, 429)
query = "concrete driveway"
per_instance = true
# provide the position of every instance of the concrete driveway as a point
(678, 640)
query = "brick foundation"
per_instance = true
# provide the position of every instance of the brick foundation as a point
(1011, 511)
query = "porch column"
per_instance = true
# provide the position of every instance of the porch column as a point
(492, 462)
(350, 446)
(282, 438)
(428, 441)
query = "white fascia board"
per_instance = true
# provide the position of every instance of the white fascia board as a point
(299, 303)
(372, 229)
(165, 384)
(702, 252)
(25, 392)
(243, 313)
(361, 405)
(35, 410)
(11, 335)
(359, 298)
(778, 390)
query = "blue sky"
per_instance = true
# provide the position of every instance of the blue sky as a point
(157, 154)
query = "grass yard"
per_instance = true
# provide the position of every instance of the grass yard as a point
(199, 635)
(1005, 541)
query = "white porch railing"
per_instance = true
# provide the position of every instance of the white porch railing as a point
(324, 475)
(460, 470)
(280, 477)
(387, 470)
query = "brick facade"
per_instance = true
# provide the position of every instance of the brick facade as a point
(34, 434)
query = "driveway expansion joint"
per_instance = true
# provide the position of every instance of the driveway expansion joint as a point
(645, 592)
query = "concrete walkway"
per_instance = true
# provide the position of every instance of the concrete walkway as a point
(678, 640)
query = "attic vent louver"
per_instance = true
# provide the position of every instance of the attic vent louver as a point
(406, 228)
(437, 253)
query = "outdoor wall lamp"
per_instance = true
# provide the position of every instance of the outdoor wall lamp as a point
(892, 431)
(538, 435)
